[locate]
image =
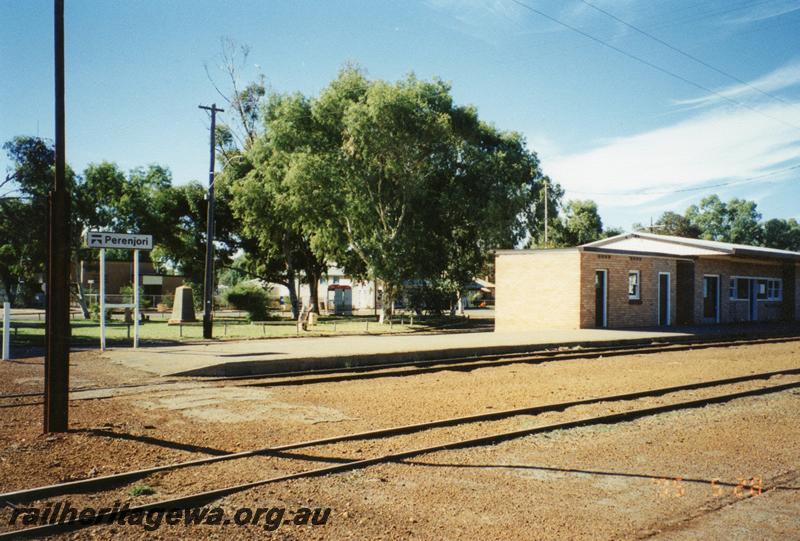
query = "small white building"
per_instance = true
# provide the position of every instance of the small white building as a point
(362, 293)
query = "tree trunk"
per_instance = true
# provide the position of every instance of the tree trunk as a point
(290, 285)
(79, 293)
(313, 288)
(387, 304)
(8, 285)
(81, 300)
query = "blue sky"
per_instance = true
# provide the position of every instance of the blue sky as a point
(605, 126)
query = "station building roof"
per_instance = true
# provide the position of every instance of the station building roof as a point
(651, 243)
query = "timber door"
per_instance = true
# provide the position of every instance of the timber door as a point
(663, 298)
(600, 298)
(711, 298)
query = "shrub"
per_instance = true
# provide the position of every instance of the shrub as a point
(250, 298)
(94, 312)
(475, 297)
(127, 297)
(429, 299)
(141, 490)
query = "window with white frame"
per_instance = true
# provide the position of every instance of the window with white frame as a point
(766, 289)
(775, 290)
(634, 285)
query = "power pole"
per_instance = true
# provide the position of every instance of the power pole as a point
(56, 364)
(208, 286)
(545, 213)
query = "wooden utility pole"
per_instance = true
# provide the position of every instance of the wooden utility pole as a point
(208, 286)
(57, 331)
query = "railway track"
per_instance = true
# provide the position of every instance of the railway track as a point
(403, 368)
(117, 480)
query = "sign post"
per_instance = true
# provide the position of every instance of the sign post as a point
(123, 241)
(6, 331)
(136, 299)
(102, 299)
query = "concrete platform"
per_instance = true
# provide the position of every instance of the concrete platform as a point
(253, 357)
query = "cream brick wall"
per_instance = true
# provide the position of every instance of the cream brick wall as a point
(622, 311)
(538, 289)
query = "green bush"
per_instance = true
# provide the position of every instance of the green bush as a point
(250, 298)
(141, 490)
(127, 297)
(426, 299)
(475, 297)
(94, 312)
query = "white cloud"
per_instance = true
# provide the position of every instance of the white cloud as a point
(764, 12)
(712, 147)
(485, 20)
(782, 78)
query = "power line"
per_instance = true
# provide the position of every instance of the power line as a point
(707, 14)
(651, 64)
(684, 53)
(692, 189)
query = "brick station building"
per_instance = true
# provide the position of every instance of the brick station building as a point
(644, 280)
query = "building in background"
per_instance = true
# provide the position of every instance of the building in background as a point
(155, 286)
(645, 280)
(363, 295)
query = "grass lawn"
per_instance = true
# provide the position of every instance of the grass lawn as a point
(87, 333)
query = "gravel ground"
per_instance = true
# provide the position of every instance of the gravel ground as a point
(502, 491)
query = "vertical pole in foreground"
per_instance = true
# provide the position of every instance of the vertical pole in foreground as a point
(102, 299)
(56, 365)
(6, 331)
(208, 285)
(136, 299)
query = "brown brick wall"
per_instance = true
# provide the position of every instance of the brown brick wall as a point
(537, 290)
(554, 289)
(622, 312)
(120, 274)
(734, 311)
(797, 292)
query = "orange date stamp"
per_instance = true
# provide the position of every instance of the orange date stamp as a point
(676, 487)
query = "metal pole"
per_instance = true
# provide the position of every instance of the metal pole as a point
(545, 214)
(208, 286)
(6, 331)
(57, 329)
(135, 299)
(102, 299)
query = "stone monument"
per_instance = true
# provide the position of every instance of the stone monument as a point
(183, 306)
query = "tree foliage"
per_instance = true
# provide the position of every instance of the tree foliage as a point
(737, 221)
(23, 210)
(580, 223)
(391, 180)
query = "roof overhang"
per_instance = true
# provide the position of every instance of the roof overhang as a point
(664, 245)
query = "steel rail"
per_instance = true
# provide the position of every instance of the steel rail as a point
(108, 480)
(465, 363)
(211, 495)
